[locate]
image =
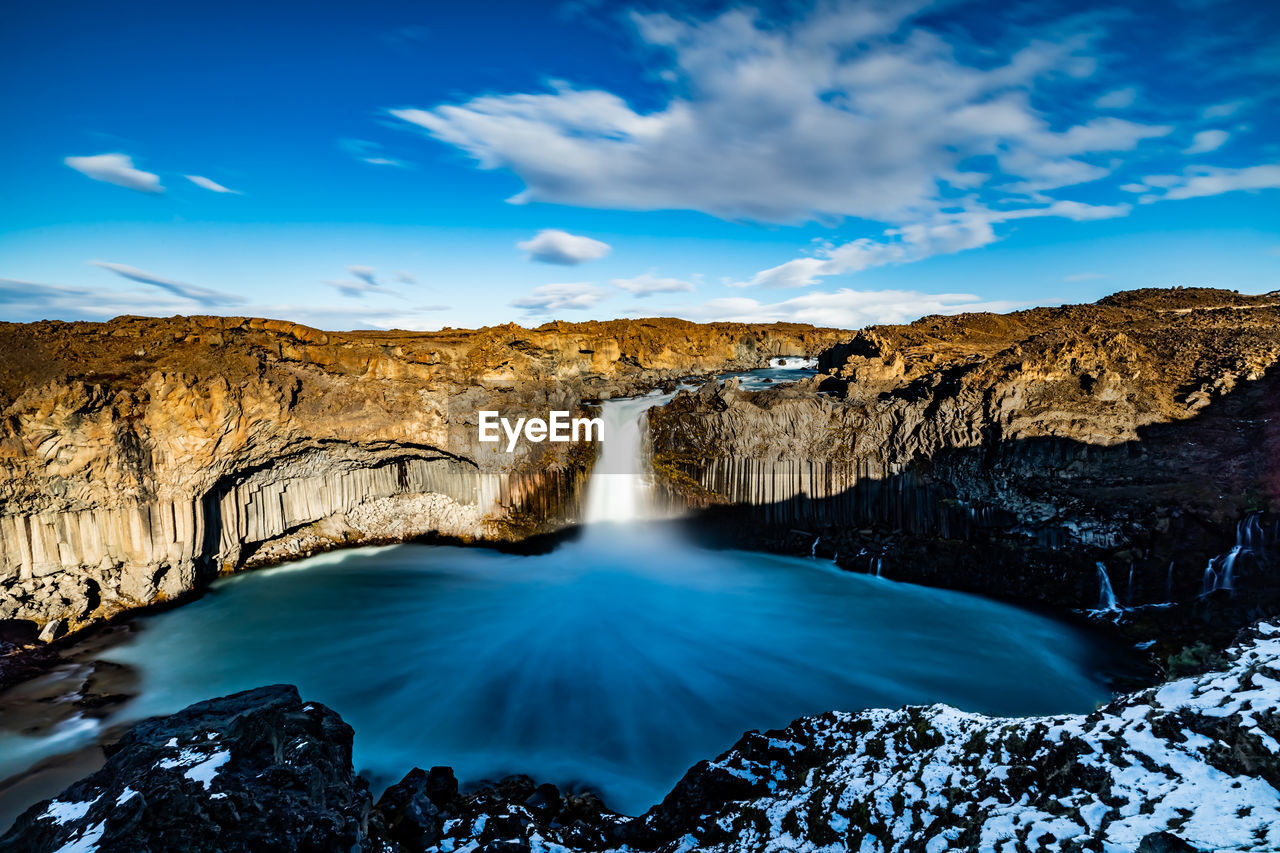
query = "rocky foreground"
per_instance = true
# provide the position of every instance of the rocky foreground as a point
(1191, 765)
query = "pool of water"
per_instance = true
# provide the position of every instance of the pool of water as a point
(614, 663)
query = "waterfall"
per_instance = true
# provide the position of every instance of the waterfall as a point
(1128, 593)
(1168, 583)
(793, 362)
(620, 489)
(813, 552)
(1107, 596)
(1251, 540)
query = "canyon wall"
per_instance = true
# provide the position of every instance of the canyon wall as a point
(140, 457)
(1006, 454)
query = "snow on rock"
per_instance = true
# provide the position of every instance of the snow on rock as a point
(60, 812)
(1194, 758)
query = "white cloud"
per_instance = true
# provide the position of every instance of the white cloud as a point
(1200, 181)
(1117, 99)
(1164, 181)
(836, 115)
(648, 284)
(403, 277)
(1134, 188)
(116, 169)
(943, 235)
(1207, 140)
(1207, 181)
(550, 246)
(202, 295)
(576, 296)
(844, 308)
(1222, 110)
(212, 186)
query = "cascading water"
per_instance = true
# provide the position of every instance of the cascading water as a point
(1252, 541)
(1106, 595)
(620, 488)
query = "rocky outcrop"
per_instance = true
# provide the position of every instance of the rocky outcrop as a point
(1137, 431)
(1191, 765)
(258, 770)
(142, 456)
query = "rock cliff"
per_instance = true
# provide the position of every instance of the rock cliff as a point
(141, 456)
(1008, 454)
(1193, 764)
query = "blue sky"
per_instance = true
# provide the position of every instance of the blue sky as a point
(419, 165)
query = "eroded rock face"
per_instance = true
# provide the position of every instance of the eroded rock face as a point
(140, 457)
(1137, 431)
(1191, 765)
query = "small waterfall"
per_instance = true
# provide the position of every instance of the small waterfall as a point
(793, 362)
(1107, 596)
(879, 565)
(813, 552)
(1168, 583)
(1128, 593)
(1251, 540)
(620, 488)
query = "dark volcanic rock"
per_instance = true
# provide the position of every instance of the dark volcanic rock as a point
(425, 810)
(257, 770)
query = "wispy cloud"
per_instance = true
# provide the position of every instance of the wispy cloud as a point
(649, 284)
(25, 301)
(1117, 99)
(358, 289)
(944, 235)
(365, 283)
(371, 153)
(550, 246)
(573, 296)
(1201, 181)
(1086, 276)
(116, 169)
(1222, 110)
(844, 308)
(1206, 141)
(211, 185)
(202, 295)
(362, 272)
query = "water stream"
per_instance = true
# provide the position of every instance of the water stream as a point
(613, 663)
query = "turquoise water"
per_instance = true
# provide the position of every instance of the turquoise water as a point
(615, 662)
